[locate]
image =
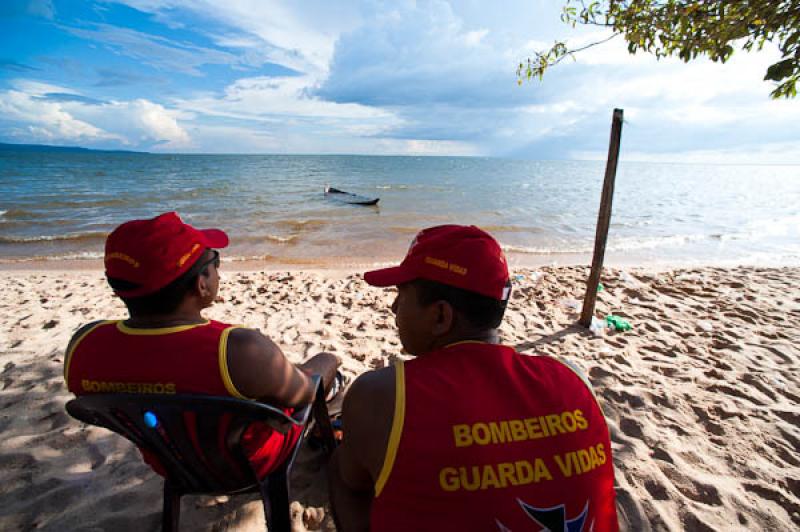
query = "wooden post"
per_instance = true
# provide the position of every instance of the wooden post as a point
(603, 220)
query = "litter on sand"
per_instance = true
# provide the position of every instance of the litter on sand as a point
(618, 323)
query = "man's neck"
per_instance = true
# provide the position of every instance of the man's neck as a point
(486, 336)
(166, 320)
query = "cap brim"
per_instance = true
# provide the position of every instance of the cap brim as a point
(215, 238)
(389, 276)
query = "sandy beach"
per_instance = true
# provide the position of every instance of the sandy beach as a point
(701, 395)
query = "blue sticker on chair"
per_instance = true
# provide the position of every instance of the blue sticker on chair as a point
(150, 420)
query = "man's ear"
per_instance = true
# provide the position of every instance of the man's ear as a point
(443, 316)
(202, 286)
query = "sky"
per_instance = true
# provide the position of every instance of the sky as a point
(368, 77)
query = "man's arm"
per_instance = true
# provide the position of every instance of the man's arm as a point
(259, 369)
(367, 415)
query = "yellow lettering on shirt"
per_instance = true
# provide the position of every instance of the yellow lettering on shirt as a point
(517, 430)
(500, 431)
(581, 461)
(521, 472)
(579, 420)
(507, 474)
(448, 479)
(494, 476)
(127, 387)
(462, 436)
(481, 433)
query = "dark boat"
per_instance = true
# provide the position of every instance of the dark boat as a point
(349, 197)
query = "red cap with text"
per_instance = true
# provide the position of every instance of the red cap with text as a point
(457, 255)
(152, 253)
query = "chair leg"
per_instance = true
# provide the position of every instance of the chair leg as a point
(171, 514)
(319, 410)
(275, 496)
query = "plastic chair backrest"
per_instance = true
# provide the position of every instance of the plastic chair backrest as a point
(195, 437)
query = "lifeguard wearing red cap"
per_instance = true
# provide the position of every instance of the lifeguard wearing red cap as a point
(154, 252)
(463, 256)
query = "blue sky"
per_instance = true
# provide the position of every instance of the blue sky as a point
(367, 77)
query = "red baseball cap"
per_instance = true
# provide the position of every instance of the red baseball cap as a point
(153, 253)
(457, 255)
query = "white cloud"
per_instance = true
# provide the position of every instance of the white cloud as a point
(285, 118)
(287, 96)
(300, 37)
(127, 122)
(778, 153)
(285, 103)
(48, 120)
(436, 147)
(37, 88)
(474, 38)
(140, 122)
(158, 123)
(157, 51)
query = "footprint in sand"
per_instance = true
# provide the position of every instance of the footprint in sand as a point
(769, 493)
(660, 454)
(691, 521)
(758, 384)
(57, 419)
(657, 490)
(630, 512)
(599, 373)
(735, 392)
(631, 428)
(691, 488)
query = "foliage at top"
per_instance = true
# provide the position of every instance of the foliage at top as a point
(688, 28)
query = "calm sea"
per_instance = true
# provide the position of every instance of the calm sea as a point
(62, 205)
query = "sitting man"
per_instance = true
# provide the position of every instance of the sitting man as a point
(166, 273)
(469, 435)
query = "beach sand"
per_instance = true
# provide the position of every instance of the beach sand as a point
(702, 396)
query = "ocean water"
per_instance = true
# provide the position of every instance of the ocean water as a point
(57, 206)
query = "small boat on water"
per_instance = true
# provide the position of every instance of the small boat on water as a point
(349, 197)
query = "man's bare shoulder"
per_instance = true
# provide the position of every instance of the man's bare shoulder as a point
(245, 336)
(244, 342)
(367, 415)
(368, 406)
(377, 385)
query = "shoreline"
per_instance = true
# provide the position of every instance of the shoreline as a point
(360, 264)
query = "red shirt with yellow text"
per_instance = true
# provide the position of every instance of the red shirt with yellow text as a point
(485, 438)
(192, 359)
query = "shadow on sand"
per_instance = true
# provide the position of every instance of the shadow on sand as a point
(60, 474)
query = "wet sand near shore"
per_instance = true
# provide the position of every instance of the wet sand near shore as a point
(701, 395)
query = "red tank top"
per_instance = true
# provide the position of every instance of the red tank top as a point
(485, 438)
(111, 357)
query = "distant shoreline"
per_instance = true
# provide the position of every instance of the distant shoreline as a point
(47, 148)
(348, 265)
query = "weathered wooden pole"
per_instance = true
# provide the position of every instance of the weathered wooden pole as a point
(603, 220)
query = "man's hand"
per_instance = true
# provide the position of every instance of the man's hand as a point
(323, 364)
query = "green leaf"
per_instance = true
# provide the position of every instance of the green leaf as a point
(780, 70)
